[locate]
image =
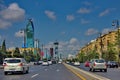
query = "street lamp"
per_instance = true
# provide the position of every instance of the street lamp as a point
(116, 23)
(24, 42)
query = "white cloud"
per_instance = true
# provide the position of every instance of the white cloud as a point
(13, 13)
(70, 17)
(4, 24)
(84, 10)
(66, 47)
(87, 3)
(91, 31)
(50, 14)
(106, 30)
(19, 34)
(83, 21)
(10, 14)
(105, 12)
(73, 41)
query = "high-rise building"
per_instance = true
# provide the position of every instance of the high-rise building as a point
(30, 34)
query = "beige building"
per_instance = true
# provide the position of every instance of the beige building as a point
(101, 43)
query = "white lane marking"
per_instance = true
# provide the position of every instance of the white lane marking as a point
(57, 70)
(45, 69)
(34, 75)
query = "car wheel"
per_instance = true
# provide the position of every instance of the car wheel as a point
(5, 73)
(93, 70)
(105, 70)
(27, 71)
(90, 69)
(23, 71)
(116, 66)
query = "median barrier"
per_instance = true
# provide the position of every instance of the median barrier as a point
(85, 74)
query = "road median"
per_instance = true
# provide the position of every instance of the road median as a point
(84, 75)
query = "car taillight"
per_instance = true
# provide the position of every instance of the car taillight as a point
(106, 64)
(4, 64)
(94, 64)
(21, 64)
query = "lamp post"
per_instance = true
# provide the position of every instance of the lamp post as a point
(24, 40)
(116, 24)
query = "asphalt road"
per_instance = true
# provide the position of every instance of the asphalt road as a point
(39, 72)
(112, 73)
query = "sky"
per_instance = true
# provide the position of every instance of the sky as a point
(73, 23)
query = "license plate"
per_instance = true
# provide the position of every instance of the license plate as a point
(12, 69)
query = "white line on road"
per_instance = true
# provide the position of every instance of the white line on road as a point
(34, 75)
(57, 70)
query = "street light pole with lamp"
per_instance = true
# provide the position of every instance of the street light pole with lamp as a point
(24, 40)
(116, 23)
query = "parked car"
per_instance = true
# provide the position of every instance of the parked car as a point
(76, 63)
(12, 65)
(50, 62)
(112, 64)
(87, 63)
(98, 64)
(45, 63)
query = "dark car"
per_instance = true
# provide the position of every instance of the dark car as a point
(112, 64)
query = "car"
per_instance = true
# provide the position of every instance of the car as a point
(98, 64)
(12, 65)
(112, 64)
(59, 62)
(40, 62)
(76, 64)
(45, 63)
(54, 61)
(87, 63)
(36, 63)
(50, 62)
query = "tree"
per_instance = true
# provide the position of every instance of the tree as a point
(3, 47)
(111, 52)
(17, 53)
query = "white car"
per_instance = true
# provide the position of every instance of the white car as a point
(45, 63)
(98, 64)
(50, 62)
(77, 63)
(12, 65)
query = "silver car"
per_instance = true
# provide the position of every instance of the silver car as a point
(12, 65)
(98, 64)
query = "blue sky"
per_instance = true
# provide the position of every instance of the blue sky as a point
(72, 23)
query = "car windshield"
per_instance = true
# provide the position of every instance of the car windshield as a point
(13, 61)
(99, 61)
